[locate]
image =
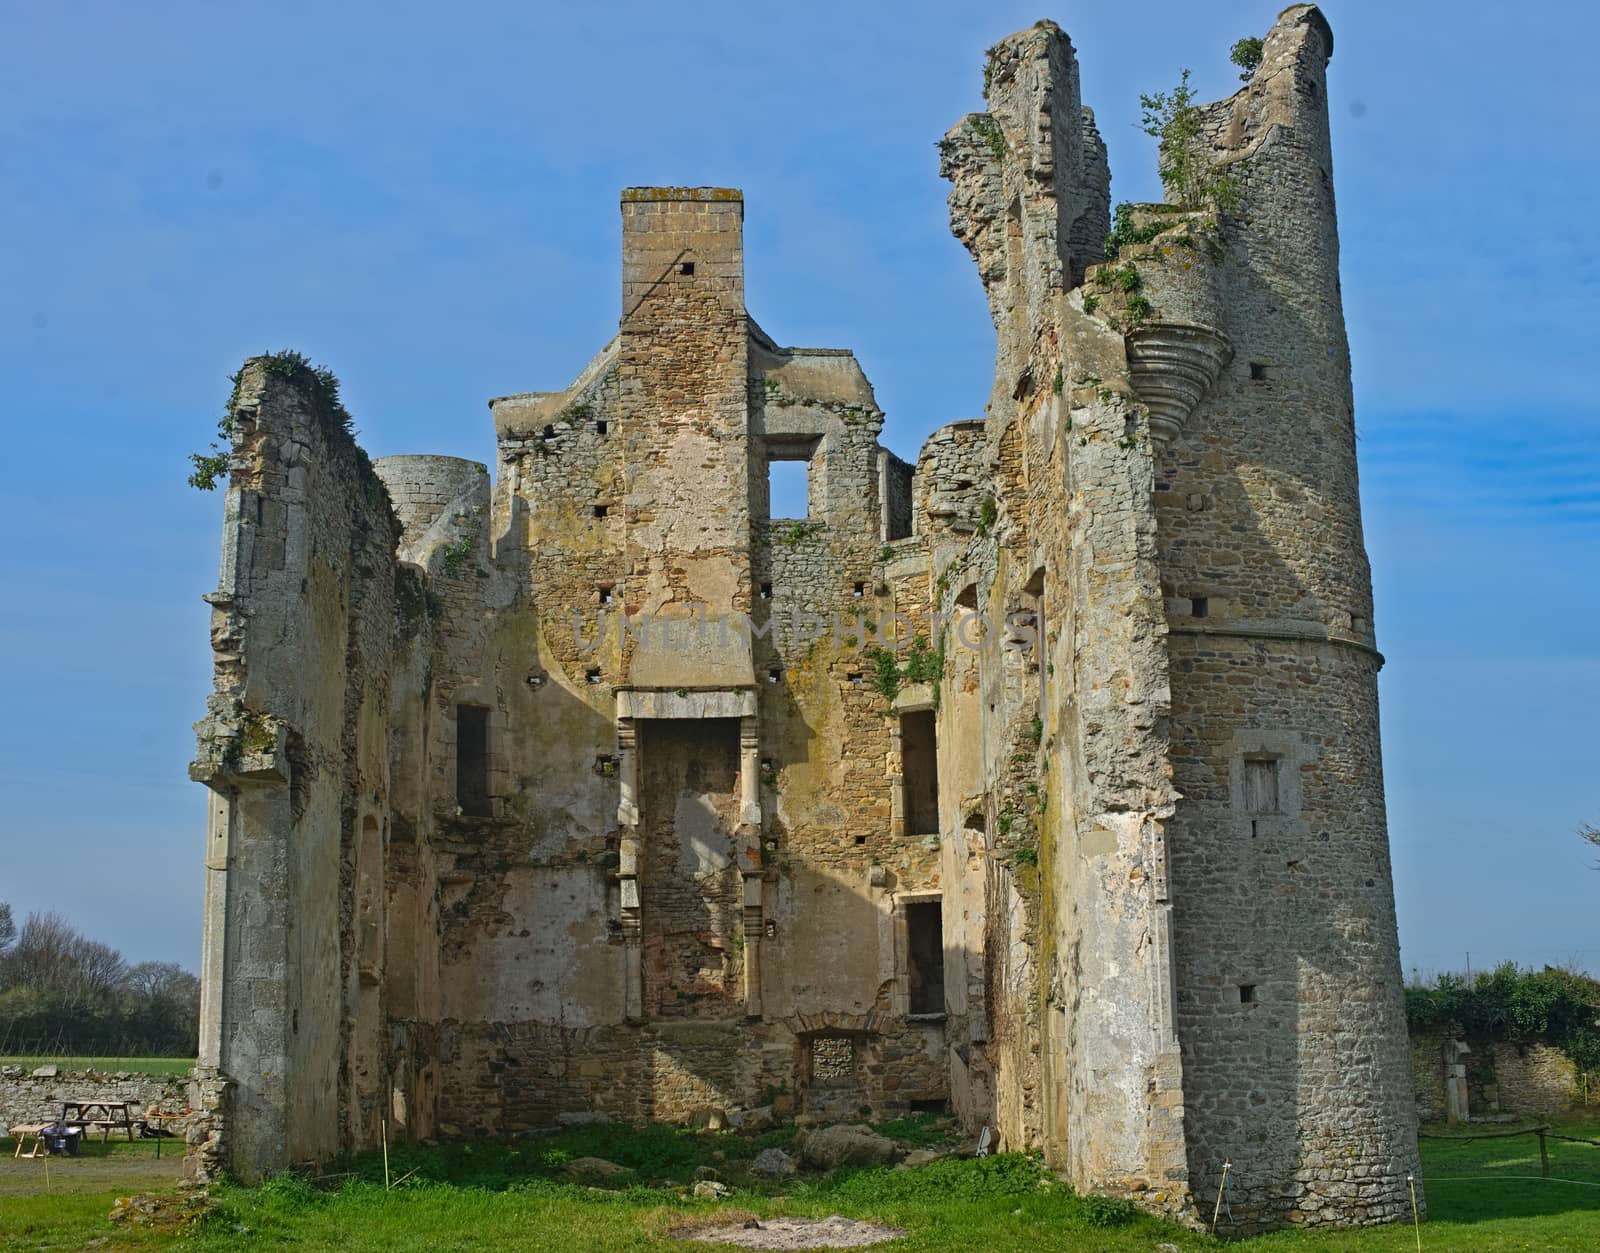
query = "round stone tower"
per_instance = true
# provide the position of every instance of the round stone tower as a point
(428, 491)
(1289, 1005)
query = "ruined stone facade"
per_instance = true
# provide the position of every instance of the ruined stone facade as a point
(1456, 1079)
(593, 786)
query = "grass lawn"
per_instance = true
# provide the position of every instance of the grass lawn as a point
(66, 1206)
(179, 1066)
(513, 1196)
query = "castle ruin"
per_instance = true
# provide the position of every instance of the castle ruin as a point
(1038, 780)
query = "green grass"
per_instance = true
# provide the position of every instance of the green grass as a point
(1488, 1195)
(81, 1191)
(918, 1130)
(133, 1065)
(495, 1196)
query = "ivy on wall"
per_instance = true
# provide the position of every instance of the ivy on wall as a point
(1561, 1007)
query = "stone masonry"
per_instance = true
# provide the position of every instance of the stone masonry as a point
(1038, 781)
(36, 1095)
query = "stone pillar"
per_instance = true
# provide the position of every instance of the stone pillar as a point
(1455, 1081)
(750, 776)
(214, 927)
(628, 868)
(748, 843)
(206, 1151)
(753, 926)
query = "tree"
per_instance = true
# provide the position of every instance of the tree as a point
(40, 959)
(163, 1006)
(1246, 54)
(1586, 832)
(61, 992)
(1173, 118)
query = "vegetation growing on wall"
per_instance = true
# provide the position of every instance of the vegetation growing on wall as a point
(1124, 231)
(317, 382)
(988, 511)
(1562, 1007)
(924, 663)
(1173, 118)
(989, 131)
(1246, 54)
(455, 556)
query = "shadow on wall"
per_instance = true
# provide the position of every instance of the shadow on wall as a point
(1275, 754)
(532, 1020)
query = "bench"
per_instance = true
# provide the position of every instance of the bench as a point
(23, 1131)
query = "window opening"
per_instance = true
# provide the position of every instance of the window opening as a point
(472, 761)
(925, 945)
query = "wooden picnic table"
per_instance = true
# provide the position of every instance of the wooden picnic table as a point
(107, 1116)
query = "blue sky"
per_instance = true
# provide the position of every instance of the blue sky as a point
(428, 204)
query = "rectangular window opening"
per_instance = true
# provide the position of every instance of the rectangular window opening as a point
(686, 268)
(1261, 785)
(766, 591)
(600, 427)
(919, 767)
(1247, 993)
(925, 950)
(591, 676)
(472, 761)
(600, 511)
(788, 487)
(604, 591)
(1199, 606)
(858, 589)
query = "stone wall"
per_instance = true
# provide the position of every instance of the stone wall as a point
(951, 481)
(1285, 934)
(294, 749)
(1072, 703)
(521, 1076)
(537, 938)
(590, 788)
(1531, 1079)
(1223, 632)
(29, 1097)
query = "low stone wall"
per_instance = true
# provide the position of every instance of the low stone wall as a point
(1427, 1076)
(1531, 1079)
(501, 1079)
(36, 1096)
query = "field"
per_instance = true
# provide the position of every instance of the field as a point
(1485, 1196)
(179, 1066)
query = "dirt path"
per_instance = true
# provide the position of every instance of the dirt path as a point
(130, 1172)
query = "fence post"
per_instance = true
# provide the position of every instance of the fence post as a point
(1544, 1156)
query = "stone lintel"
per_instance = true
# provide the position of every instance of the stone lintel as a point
(686, 703)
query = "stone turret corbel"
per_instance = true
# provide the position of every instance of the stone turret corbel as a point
(1167, 291)
(235, 745)
(1172, 365)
